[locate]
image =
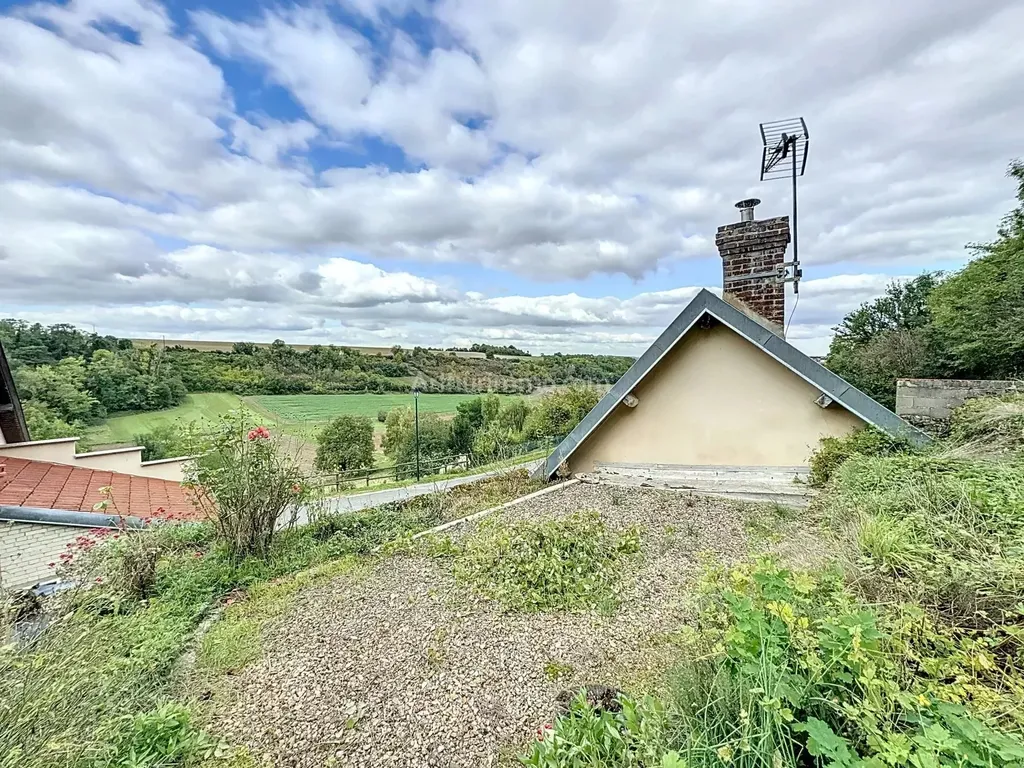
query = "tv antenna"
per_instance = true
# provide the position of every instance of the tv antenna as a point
(785, 155)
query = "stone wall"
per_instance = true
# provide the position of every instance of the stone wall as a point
(929, 403)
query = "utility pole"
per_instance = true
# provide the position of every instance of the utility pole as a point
(416, 405)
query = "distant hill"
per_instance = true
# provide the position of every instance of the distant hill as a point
(228, 346)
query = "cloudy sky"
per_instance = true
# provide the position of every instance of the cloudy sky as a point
(547, 173)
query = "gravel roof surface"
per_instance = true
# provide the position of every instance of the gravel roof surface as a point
(407, 667)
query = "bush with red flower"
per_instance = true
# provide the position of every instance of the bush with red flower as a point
(245, 483)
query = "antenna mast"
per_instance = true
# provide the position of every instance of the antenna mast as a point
(784, 154)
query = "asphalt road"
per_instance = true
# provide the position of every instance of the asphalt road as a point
(356, 501)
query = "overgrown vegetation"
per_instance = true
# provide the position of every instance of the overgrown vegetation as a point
(966, 325)
(569, 563)
(834, 451)
(990, 424)
(94, 687)
(907, 651)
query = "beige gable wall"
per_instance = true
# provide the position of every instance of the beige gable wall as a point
(716, 399)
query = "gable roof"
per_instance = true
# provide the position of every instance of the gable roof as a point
(706, 303)
(12, 419)
(43, 485)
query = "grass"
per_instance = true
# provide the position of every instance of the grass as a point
(197, 407)
(322, 408)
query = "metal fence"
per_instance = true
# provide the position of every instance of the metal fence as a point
(428, 467)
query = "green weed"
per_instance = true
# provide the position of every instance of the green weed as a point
(834, 451)
(571, 563)
(588, 738)
(558, 670)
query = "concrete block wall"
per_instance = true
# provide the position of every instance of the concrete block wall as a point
(27, 548)
(929, 403)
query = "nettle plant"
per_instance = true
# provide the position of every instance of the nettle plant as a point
(243, 482)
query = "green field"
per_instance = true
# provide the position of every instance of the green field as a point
(122, 429)
(299, 409)
(298, 415)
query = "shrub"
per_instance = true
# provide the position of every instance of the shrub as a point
(833, 451)
(162, 442)
(243, 483)
(996, 423)
(382, 415)
(568, 563)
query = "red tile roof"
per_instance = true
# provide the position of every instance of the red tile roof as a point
(27, 483)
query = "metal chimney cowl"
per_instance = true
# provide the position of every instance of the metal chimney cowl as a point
(747, 208)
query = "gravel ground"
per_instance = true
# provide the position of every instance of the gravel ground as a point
(410, 668)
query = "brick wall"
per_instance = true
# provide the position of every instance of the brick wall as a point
(929, 403)
(27, 548)
(753, 253)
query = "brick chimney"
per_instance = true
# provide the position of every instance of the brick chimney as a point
(753, 257)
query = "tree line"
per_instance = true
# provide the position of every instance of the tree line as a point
(484, 429)
(968, 324)
(67, 378)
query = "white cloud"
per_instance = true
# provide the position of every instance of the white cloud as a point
(544, 141)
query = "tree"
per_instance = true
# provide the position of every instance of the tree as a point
(163, 442)
(490, 405)
(400, 439)
(61, 388)
(887, 339)
(44, 424)
(979, 312)
(903, 306)
(469, 418)
(558, 412)
(513, 414)
(346, 443)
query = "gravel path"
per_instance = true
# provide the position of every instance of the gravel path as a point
(407, 667)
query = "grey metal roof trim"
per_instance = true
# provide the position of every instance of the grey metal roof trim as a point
(803, 366)
(12, 418)
(43, 516)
